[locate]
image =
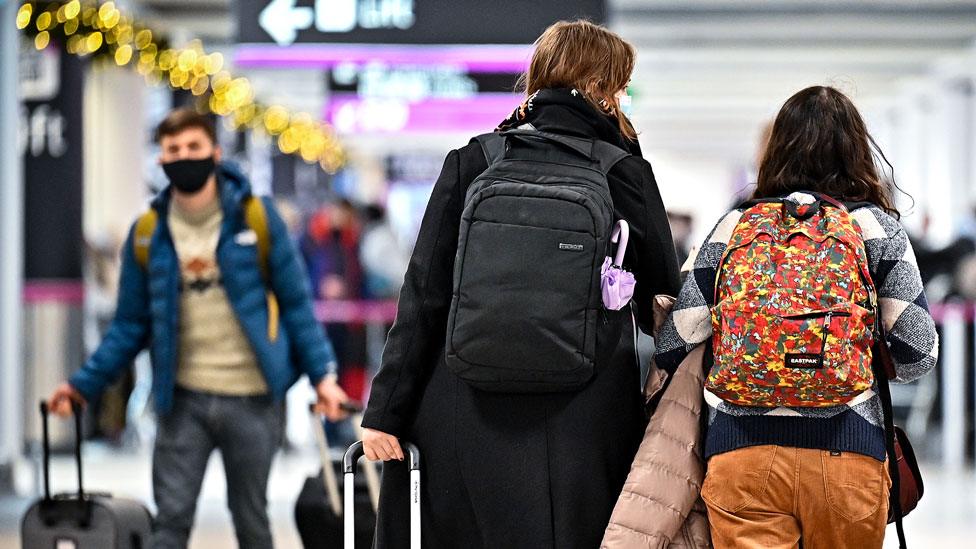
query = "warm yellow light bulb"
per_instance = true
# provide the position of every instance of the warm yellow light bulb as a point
(112, 19)
(123, 55)
(43, 21)
(216, 62)
(24, 16)
(177, 78)
(276, 119)
(105, 10)
(200, 85)
(167, 60)
(143, 38)
(125, 33)
(94, 41)
(288, 143)
(42, 39)
(72, 9)
(186, 60)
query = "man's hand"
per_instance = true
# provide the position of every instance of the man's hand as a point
(62, 398)
(329, 396)
(378, 445)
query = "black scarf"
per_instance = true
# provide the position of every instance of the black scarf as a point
(566, 111)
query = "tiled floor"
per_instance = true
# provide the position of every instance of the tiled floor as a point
(946, 517)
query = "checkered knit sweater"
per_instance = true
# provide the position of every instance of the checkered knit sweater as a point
(853, 427)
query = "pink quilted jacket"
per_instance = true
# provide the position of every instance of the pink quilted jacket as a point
(660, 504)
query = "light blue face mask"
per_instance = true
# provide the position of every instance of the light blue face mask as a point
(627, 105)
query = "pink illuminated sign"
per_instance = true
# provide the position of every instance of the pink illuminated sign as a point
(478, 113)
(485, 58)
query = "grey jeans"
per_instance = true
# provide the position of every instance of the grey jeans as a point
(247, 431)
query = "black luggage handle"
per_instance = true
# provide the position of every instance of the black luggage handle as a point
(52, 510)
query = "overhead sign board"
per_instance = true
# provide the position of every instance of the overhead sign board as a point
(285, 22)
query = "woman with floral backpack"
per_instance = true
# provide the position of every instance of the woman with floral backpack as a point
(787, 290)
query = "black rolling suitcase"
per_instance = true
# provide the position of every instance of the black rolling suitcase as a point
(80, 520)
(318, 511)
(349, 472)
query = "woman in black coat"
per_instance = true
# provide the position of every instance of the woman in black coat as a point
(521, 470)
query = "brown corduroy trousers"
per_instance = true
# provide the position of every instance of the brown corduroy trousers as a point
(777, 497)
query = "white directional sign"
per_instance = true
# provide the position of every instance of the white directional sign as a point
(282, 20)
(286, 22)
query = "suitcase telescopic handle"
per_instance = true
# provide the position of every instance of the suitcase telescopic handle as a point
(357, 451)
(80, 511)
(329, 481)
(349, 461)
(46, 445)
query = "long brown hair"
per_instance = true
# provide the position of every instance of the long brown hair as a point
(819, 143)
(588, 58)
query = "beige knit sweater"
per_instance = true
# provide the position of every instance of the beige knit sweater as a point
(214, 353)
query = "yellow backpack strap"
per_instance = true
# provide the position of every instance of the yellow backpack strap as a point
(145, 227)
(257, 219)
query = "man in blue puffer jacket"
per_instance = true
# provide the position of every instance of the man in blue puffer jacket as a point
(227, 315)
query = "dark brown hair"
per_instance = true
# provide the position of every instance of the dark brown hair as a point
(587, 57)
(180, 120)
(819, 143)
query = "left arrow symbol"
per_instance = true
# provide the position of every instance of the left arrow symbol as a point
(282, 20)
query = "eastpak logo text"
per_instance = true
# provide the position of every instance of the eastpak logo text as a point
(571, 247)
(803, 360)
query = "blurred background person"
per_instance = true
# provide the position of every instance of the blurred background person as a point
(222, 361)
(384, 260)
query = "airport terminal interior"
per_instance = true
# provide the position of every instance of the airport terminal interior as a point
(343, 111)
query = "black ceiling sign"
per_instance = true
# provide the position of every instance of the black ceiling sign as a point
(406, 21)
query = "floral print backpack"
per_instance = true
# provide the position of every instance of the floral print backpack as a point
(795, 307)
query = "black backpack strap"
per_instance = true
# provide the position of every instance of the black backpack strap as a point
(884, 392)
(607, 155)
(578, 145)
(493, 145)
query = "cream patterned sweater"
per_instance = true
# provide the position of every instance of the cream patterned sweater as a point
(214, 353)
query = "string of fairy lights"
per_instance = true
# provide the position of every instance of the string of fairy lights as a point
(102, 32)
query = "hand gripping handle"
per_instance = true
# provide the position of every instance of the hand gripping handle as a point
(349, 461)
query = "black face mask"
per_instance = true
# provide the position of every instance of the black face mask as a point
(189, 176)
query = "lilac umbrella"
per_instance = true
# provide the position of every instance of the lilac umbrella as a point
(618, 284)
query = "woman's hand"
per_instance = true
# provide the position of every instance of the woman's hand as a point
(381, 446)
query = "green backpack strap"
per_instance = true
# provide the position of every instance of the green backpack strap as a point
(257, 219)
(145, 227)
